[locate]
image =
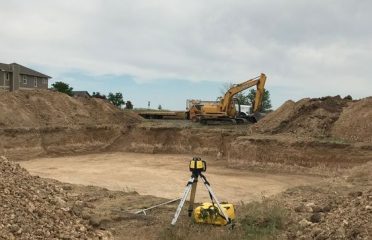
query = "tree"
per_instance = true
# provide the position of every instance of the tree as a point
(241, 97)
(266, 101)
(63, 88)
(159, 107)
(116, 99)
(128, 105)
(99, 95)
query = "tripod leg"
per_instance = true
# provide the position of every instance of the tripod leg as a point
(183, 199)
(206, 184)
(192, 197)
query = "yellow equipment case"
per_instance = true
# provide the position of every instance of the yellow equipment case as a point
(209, 213)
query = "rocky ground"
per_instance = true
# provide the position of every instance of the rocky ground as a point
(34, 208)
(337, 208)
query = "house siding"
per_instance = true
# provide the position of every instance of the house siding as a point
(4, 81)
(16, 75)
(42, 83)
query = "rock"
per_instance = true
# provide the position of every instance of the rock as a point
(340, 233)
(316, 209)
(31, 207)
(300, 208)
(310, 204)
(303, 208)
(326, 209)
(14, 228)
(59, 201)
(316, 231)
(316, 217)
(368, 208)
(6, 191)
(356, 194)
(95, 220)
(67, 187)
(304, 223)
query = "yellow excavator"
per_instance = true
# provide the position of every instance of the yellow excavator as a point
(224, 111)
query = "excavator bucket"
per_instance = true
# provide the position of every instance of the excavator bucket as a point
(255, 117)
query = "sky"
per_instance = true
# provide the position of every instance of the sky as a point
(167, 51)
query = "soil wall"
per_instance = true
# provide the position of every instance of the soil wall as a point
(173, 140)
(25, 143)
(243, 151)
(258, 150)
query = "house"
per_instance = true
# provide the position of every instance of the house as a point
(81, 94)
(14, 76)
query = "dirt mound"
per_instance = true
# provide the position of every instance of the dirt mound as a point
(355, 122)
(307, 117)
(43, 108)
(32, 208)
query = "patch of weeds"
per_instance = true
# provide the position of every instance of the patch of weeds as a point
(261, 220)
(256, 220)
(185, 230)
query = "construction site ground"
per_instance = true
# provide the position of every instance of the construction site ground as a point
(162, 175)
(302, 172)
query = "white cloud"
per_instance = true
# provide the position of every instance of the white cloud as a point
(308, 45)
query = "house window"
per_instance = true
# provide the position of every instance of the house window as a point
(45, 81)
(35, 82)
(7, 76)
(24, 79)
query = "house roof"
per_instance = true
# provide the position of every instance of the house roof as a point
(80, 93)
(22, 69)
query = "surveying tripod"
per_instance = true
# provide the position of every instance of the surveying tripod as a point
(197, 166)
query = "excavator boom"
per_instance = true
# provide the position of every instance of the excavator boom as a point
(227, 101)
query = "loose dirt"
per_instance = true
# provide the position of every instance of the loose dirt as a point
(161, 175)
(43, 108)
(355, 122)
(32, 208)
(307, 117)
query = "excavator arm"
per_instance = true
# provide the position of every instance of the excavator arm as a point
(227, 101)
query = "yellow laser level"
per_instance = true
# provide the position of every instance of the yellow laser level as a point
(210, 213)
(198, 165)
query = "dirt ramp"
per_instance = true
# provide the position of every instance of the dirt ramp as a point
(34, 123)
(41, 108)
(307, 117)
(355, 122)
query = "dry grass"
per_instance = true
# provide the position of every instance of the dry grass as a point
(256, 220)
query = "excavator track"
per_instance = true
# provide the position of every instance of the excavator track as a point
(226, 121)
